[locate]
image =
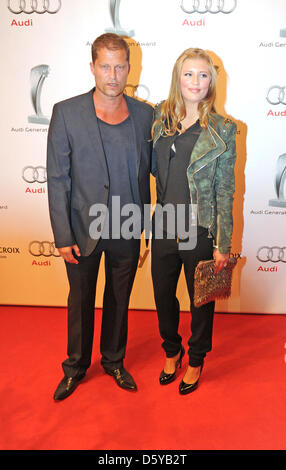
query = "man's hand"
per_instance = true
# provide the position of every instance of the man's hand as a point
(66, 253)
(221, 260)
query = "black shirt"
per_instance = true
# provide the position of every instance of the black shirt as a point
(177, 189)
(119, 149)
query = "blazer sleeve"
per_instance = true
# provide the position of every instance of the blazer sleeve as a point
(59, 179)
(224, 188)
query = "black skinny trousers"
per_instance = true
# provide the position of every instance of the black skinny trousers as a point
(167, 261)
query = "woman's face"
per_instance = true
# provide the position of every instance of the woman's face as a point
(195, 80)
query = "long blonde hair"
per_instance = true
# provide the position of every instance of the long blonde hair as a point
(173, 109)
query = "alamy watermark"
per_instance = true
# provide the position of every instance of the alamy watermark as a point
(128, 221)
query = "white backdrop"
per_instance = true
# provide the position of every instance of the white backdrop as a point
(248, 44)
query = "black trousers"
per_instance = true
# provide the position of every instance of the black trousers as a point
(121, 260)
(167, 261)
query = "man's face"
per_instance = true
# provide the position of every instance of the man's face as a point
(110, 71)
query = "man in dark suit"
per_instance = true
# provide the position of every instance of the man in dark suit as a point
(98, 151)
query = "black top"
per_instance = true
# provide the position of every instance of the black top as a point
(177, 188)
(119, 149)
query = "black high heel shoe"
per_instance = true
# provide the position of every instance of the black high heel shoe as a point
(165, 378)
(184, 388)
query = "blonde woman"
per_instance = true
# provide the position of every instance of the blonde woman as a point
(193, 161)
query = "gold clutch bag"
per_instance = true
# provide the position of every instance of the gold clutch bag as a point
(209, 286)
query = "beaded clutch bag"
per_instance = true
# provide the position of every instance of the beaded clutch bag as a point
(208, 285)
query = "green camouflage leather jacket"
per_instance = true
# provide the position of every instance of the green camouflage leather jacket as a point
(210, 176)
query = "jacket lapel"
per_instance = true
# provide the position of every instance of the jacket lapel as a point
(162, 149)
(209, 146)
(137, 132)
(90, 120)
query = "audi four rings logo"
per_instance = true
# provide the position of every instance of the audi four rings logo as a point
(34, 174)
(45, 248)
(274, 254)
(208, 6)
(276, 95)
(34, 6)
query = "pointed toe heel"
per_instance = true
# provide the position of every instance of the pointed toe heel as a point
(185, 388)
(165, 378)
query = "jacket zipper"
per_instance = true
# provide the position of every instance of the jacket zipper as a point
(209, 234)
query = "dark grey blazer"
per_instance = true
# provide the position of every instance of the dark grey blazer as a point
(77, 168)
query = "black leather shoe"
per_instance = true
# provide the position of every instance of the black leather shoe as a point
(185, 388)
(66, 386)
(122, 378)
(165, 378)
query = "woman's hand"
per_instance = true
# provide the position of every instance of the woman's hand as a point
(221, 260)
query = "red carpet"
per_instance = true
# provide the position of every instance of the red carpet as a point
(239, 405)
